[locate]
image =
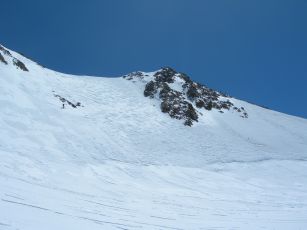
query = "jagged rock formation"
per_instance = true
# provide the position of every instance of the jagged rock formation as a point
(20, 64)
(182, 98)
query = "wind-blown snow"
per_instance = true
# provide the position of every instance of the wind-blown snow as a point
(117, 162)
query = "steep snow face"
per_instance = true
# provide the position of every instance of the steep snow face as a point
(110, 159)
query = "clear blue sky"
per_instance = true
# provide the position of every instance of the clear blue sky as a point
(255, 50)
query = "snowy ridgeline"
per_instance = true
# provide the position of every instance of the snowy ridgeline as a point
(114, 157)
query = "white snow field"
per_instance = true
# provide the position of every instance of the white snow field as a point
(118, 162)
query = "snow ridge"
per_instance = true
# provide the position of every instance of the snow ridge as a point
(12, 59)
(110, 159)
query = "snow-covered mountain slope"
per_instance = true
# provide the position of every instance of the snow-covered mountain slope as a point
(112, 160)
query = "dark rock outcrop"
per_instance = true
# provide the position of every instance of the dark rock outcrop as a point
(16, 62)
(150, 89)
(183, 104)
(2, 59)
(166, 74)
(20, 64)
(5, 51)
(174, 103)
(64, 100)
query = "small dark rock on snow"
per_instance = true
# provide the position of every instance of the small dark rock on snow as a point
(20, 64)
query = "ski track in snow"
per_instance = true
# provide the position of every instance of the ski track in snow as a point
(117, 162)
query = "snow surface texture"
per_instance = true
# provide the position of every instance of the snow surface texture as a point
(112, 160)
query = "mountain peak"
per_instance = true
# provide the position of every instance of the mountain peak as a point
(117, 139)
(182, 98)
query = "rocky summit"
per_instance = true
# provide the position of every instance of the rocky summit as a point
(182, 98)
